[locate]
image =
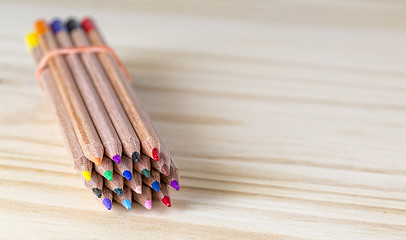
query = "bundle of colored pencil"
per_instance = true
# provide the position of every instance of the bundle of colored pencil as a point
(109, 137)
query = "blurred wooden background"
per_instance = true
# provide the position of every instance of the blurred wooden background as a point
(287, 120)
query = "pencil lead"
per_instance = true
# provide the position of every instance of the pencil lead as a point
(32, 40)
(175, 185)
(145, 172)
(87, 24)
(107, 203)
(108, 175)
(119, 191)
(155, 154)
(72, 24)
(41, 27)
(98, 161)
(127, 204)
(138, 189)
(155, 186)
(148, 204)
(87, 175)
(167, 201)
(127, 174)
(97, 192)
(117, 158)
(57, 25)
(136, 156)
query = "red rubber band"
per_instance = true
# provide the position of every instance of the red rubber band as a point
(75, 50)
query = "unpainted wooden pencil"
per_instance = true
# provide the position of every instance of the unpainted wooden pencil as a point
(145, 198)
(116, 185)
(79, 117)
(164, 194)
(135, 183)
(139, 118)
(106, 198)
(143, 166)
(125, 168)
(101, 120)
(95, 184)
(106, 168)
(173, 177)
(118, 116)
(125, 199)
(80, 163)
(161, 165)
(153, 180)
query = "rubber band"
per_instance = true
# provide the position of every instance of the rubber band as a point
(75, 50)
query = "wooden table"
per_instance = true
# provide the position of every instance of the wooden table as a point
(287, 120)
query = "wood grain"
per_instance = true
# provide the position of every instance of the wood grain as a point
(287, 120)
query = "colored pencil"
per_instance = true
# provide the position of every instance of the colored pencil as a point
(125, 199)
(143, 166)
(80, 163)
(153, 180)
(161, 165)
(173, 178)
(105, 129)
(106, 198)
(79, 117)
(116, 185)
(95, 184)
(145, 198)
(129, 139)
(125, 168)
(106, 168)
(135, 183)
(164, 194)
(139, 118)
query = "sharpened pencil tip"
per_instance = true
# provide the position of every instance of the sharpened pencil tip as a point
(167, 201)
(145, 172)
(127, 204)
(175, 185)
(117, 158)
(97, 192)
(108, 175)
(119, 191)
(155, 154)
(138, 189)
(155, 186)
(98, 161)
(148, 204)
(136, 156)
(87, 175)
(107, 203)
(127, 174)
(88, 24)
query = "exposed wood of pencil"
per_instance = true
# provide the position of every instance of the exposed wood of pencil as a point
(161, 165)
(107, 165)
(127, 195)
(173, 175)
(145, 196)
(109, 97)
(95, 184)
(164, 191)
(101, 120)
(155, 177)
(75, 107)
(135, 183)
(79, 161)
(116, 184)
(144, 163)
(125, 165)
(140, 120)
(106, 193)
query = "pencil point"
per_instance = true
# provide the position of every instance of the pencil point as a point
(127, 204)
(107, 203)
(155, 186)
(41, 27)
(175, 185)
(155, 154)
(138, 189)
(97, 192)
(57, 25)
(108, 175)
(148, 204)
(98, 161)
(117, 158)
(119, 191)
(87, 24)
(167, 201)
(136, 156)
(87, 175)
(127, 174)
(72, 24)
(145, 172)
